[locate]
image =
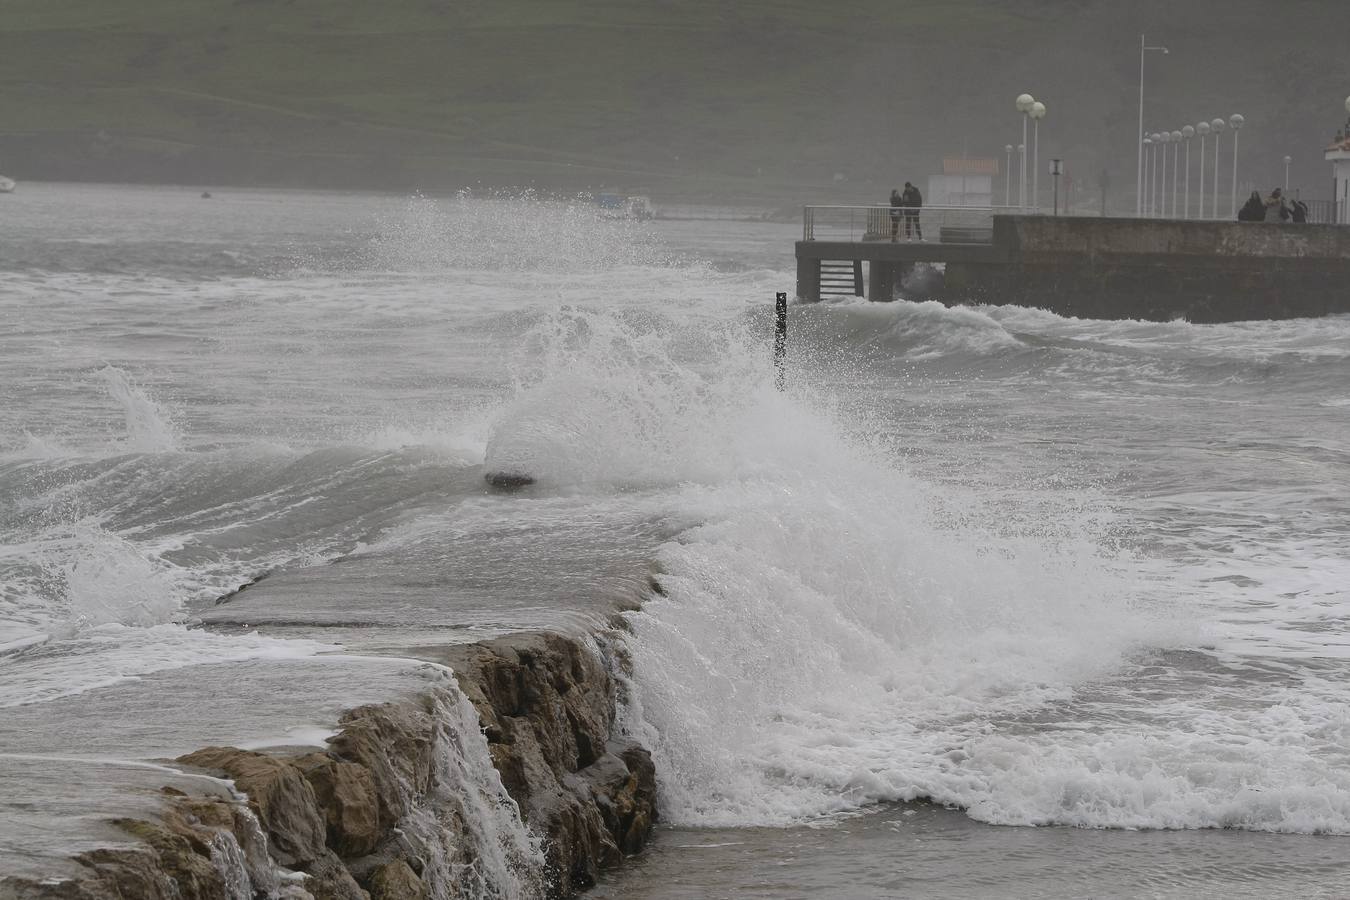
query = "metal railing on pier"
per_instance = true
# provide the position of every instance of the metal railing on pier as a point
(1327, 212)
(936, 224)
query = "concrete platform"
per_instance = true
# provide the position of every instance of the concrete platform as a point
(1106, 268)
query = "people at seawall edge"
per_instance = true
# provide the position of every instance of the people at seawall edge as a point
(896, 202)
(1299, 211)
(912, 200)
(1276, 210)
(1254, 210)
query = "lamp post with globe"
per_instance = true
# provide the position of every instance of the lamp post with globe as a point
(1287, 161)
(1235, 122)
(1037, 113)
(1177, 138)
(1007, 176)
(1161, 188)
(1203, 130)
(1187, 133)
(1217, 126)
(1024, 104)
(1148, 177)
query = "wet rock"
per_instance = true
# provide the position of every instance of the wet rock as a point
(547, 704)
(278, 794)
(397, 881)
(393, 743)
(351, 807)
(329, 880)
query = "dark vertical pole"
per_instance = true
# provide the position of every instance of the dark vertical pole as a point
(780, 338)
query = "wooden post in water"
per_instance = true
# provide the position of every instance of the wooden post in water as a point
(780, 339)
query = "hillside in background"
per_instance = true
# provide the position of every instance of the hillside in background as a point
(692, 99)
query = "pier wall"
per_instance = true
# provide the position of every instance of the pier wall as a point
(1103, 268)
(1160, 270)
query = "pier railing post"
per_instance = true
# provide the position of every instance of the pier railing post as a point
(780, 339)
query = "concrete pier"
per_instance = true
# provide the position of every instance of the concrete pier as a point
(1106, 268)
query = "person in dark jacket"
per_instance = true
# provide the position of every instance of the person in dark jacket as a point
(1299, 210)
(913, 202)
(896, 203)
(1254, 210)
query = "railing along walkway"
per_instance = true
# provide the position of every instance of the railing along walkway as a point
(934, 224)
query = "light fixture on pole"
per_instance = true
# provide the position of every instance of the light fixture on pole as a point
(1287, 161)
(1024, 104)
(1235, 122)
(1158, 139)
(1187, 133)
(1203, 130)
(1217, 126)
(1163, 192)
(1037, 113)
(1139, 172)
(1022, 155)
(1007, 176)
(1177, 138)
(1147, 144)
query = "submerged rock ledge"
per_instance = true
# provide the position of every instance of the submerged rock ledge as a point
(348, 817)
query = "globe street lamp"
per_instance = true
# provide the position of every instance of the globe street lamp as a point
(1187, 132)
(1022, 156)
(1007, 176)
(1287, 161)
(1148, 148)
(1217, 126)
(1177, 138)
(1037, 113)
(1162, 195)
(1160, 192)
(1235, 122)
(1203, 130)
(1024, 104)
(1139, 169)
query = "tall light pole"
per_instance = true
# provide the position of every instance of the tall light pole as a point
(1147, 144)
(1203, 130)
(1217, 126)
(1162, 196)
(1022, 156)
(1153, 185)
(1235, 122)
(1177, 138)
(1037, 113)
(1007, 176)
(1287, 161)
(1187, 133)
(1024, 104)
(1139, 173)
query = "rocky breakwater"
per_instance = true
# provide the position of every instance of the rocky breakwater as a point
(507, 781)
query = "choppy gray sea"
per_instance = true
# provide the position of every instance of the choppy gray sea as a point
(987, 603)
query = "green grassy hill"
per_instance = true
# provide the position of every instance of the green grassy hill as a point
(695, 98)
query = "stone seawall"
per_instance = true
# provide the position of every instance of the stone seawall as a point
(378, 815)
(1160, 270)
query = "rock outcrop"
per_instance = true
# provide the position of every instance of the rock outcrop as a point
(547, 707)
(377, 816)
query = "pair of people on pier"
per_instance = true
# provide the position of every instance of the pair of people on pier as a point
(1272, 209)
(906, 205)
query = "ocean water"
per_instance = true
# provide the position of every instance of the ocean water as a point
(988, 602)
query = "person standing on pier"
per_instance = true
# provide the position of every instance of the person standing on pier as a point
(1276, 209)
(912, 200)
(896, 203)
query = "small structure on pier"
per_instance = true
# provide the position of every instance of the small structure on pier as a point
(1338, 154)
